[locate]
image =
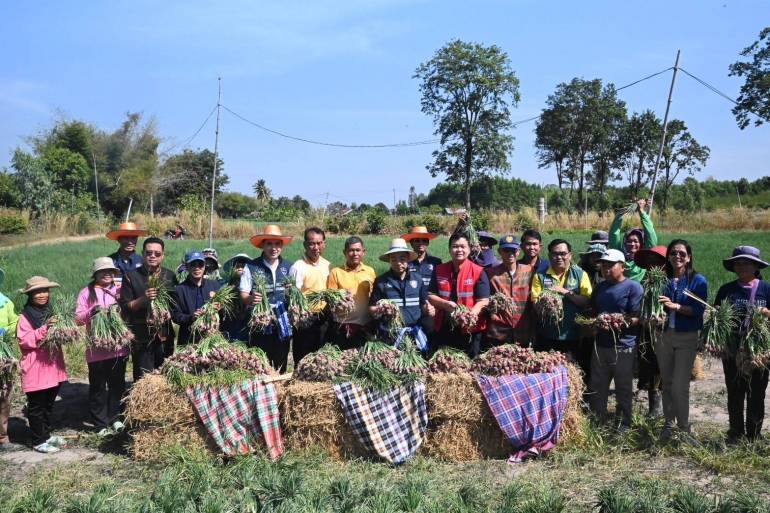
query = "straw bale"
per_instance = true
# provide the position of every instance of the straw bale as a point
(573, 424)
(452, 440)
(153, 443)
(152, 401)
(312, 418)
(454, 397)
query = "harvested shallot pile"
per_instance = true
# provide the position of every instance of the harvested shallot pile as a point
(510, 359)
(326, 364)
(449, 361)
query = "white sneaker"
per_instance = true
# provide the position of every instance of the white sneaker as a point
(46, 448)
(118, 426)
(104, 433)
(57, 441)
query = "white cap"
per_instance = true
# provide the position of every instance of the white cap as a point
(613, 255)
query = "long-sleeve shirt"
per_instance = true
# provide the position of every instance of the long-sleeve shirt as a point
(41, 368)
(675, 291)
(616, 241)
(190, 297)
(8, 317)
(134, 286)
(104, 299)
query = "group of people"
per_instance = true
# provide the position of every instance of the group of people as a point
(605, 278)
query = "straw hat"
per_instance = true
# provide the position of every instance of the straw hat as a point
(126, 230)
(103, 263)
(37, 283)
(419, 232)
(398, 246)
(270, 232)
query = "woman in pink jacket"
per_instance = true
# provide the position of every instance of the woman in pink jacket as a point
(42, 369)
(106, 368)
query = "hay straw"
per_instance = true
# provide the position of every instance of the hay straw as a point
(574, 422)
(153, 444)
(153, 402)
(452, 440)
(454, 397)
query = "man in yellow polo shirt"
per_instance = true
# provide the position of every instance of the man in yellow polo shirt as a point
(357, 278)
(310, 274)
(572, 283)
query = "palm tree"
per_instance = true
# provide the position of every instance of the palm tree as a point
(262, 191)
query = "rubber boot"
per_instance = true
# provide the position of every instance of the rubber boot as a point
(656, 404)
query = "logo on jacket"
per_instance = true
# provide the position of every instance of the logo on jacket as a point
(468, 281)
(413, 284)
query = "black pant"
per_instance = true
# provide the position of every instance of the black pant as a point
(749, 389)
(308, 340)
(106, 385)
(277, 350)
(39, 407)
(448, 337)
(649, 372)
(146, 357)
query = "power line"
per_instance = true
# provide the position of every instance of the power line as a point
(720, 93)
(404, 144)
(323, 143)
(193, 136)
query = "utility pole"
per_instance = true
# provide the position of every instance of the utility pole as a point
(96, 188)
(394, 199)
(665, 128)
(216, 159)
(738, 191)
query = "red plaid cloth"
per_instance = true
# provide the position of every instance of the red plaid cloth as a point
(241, 417)
(528, 407)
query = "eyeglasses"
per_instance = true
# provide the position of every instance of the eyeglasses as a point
(559, 254)
(153, 253)
(678, 253)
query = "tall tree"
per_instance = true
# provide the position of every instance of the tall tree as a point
(262, 191)
(189, 173)
(681, 152)
(468, 88)
(35, 184)
(755, 91)
(552, 139)
(640, 143)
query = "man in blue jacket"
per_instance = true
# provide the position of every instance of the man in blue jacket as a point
(192, 294)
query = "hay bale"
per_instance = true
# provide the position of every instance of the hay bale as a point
(153, 443)
(462, 427)
(312, 418)
(152, 401)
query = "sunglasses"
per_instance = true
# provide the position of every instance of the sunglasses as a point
(153, 253)
(559, 254)
(678, 253)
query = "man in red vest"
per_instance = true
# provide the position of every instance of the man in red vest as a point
(455, 284)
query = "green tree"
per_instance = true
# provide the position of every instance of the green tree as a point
(681, 152)
(235, 205)
(468, 89)
(755, 91)
(9, 190)
(190, 173)
(34, 182)
(67, 169)
(640, 143)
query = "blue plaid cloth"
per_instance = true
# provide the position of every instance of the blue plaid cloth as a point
(528, 407)
(392, 424)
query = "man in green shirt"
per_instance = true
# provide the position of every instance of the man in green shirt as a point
(633, 240)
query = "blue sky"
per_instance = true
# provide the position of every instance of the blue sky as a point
(341, 72)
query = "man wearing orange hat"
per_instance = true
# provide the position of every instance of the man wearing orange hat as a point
(423, 264)
(275, 340)
(125, 258)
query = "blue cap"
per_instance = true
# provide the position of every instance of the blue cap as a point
(192, 256)
(509, 242)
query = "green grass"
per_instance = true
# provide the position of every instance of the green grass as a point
(69, 263)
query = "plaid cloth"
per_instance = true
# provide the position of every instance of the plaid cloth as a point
(391, 424)
(528, 407)
(241, 417)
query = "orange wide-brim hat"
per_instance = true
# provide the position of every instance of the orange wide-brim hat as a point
(419, 232)
(126, 230)
(644, 256)
(270, 232)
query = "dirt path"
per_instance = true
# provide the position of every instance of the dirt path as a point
(55, 240)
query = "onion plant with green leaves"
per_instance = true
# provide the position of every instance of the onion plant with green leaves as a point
(220, 303)
(159, 312)
(108, 330)
(653, 314)
(754, 351)
(297, 305)
(549, 308)
(9, 364)
(262, 315)
(64, 329)
(720, 327)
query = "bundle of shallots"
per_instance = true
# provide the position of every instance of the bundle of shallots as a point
(549, 308)
(653, 314)
(262, 316)
(326, 364)
(159, 313)
(297, 306)
(64, 329)
(108, 331)
(511, 359)
(614, 323)
(754, 351)
(501, 305)
(389, 314)
(220, 303)
(720, 326)
(339, 301)
(9, 365)
(463, 318)
(449, 360)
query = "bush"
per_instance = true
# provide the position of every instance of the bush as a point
(375, 222)
(351, 223)
(12, 223)
(480, 220)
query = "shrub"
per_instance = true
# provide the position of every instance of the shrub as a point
(12, 223)
(375, 222)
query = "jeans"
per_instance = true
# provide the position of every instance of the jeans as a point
(608, 364)
(676, 354)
